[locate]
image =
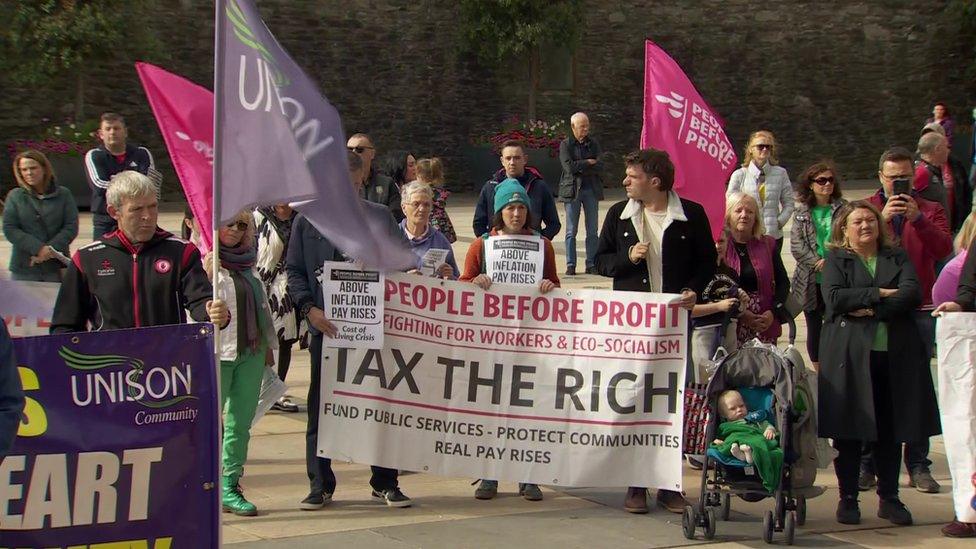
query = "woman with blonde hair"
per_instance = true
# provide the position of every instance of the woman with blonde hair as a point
(246, 346)
(945, 285)
(431, 172)
(40, 220)
(874, 382)
(754, 258)
(761, 178)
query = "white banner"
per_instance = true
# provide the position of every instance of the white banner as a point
(35, 319)
(570, 388)
(354, 303)
(956, 334)
(515, 259)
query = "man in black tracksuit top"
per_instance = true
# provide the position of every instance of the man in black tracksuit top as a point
(137, 275)
(114, 156)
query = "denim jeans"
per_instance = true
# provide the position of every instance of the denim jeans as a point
(587, 198)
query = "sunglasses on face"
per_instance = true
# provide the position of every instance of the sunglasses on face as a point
(764, 147)
(358, 150)
(239, 225)
(824, 181)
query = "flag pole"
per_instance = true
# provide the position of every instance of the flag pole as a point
(219, 31)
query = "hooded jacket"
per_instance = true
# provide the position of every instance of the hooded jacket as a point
(112, 285)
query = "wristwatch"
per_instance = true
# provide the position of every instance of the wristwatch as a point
(306, 308)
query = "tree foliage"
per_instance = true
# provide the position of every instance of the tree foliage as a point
(497, 30)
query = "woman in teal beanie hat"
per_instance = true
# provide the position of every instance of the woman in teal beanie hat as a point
(512, 217)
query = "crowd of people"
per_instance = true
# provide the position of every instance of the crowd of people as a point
(870, 276)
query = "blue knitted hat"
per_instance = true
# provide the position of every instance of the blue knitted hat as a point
(508, 192)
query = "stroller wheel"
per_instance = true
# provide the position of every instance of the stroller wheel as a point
(789, 527)
(710, 523)
(768, 524)
(725, 507)
(801, 511)
(689, 520)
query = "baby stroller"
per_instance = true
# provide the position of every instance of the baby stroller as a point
(764, 375)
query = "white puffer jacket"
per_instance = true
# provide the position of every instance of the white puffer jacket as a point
(777, 205)
(228, 335)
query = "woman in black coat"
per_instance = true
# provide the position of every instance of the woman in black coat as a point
(874, 380)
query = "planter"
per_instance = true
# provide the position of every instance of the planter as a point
(480, 163)
(69, 172)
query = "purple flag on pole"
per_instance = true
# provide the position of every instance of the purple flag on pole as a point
(279, 140)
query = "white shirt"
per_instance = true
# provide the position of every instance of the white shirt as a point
(653, 236)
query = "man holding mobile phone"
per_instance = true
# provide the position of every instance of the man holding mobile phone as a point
(921, 227)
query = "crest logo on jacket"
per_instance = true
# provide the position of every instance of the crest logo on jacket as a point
(105, 269)
(163, 266)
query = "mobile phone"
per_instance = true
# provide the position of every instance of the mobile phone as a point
(901, 186)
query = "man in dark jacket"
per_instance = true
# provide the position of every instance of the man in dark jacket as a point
(374, 186)
(656, 241)
(580, 186)
(545, 217)
(137, 275)
(114, 156)
(307, 251)
(11, 393)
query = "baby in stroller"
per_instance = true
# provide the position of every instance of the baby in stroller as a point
(749, 437)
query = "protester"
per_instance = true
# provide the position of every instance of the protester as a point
(768, 184)
(762, 275)
(400, 166)
(40, 220)
(719, 306)
(581, 185)
(115, 155)
(11, 393)
(818, 198)
(373, 185)
(513, 216)
(964, 300)
(947, 283)
(545, 217)
(928, 181)
(941, 116)
(431, 172)
(652, 228)
(190, 229)
(273, 231)
(417, 203)
(307, 251)
(246, 346)
(874, 382)
(956, 180)
(137, 275)
(919, 227)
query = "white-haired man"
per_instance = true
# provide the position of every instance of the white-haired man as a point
(581, 187)
(136, 275)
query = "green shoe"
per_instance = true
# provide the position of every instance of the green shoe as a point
(232, 498)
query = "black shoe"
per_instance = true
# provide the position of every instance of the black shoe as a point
(284, 404)
(848, 511)
(392, 497)
(570, 270)
(895, 511)
(866, 481)
(591, 270)
(922, 480)
(530, 492)
(315, 500)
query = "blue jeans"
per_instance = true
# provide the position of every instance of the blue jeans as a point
(587, 198)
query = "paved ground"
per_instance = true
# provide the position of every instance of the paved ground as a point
(446, 515)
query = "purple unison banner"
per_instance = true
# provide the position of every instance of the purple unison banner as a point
(118, 444)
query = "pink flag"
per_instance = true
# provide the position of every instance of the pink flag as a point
(185, 114)
(679, 121)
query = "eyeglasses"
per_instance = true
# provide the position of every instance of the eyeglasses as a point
(824, 181)
(239, 225)
(763, 146)
(359, 150)
(419, 205)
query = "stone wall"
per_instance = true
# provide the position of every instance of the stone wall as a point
(833, 78)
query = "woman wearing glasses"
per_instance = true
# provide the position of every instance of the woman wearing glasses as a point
(818, 197)
(426, 241)
(246, 346)
(761, 178)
